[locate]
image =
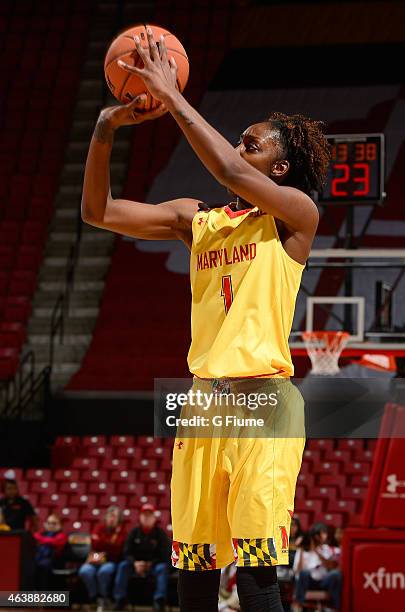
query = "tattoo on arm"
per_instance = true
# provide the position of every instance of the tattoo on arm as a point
(184, 116)
(103, 132)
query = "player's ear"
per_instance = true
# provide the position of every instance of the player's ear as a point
(279, 168)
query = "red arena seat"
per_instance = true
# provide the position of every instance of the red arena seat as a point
(356, 493)
(362, 469)
(53, 500)
(94, 441)
(67, 441)
(70, 514)
(147, 477)
(77, 500)
(112, 500)
(327, 467)
(94, 475)
(42, 486)
(124, 441)
(117, 476)
(72, 486)
(99, 488)
(350, 444)
(129, 452)
(342, 505)
(85, 463)
(91, 514)
(327, 493)
(107, 463)
(131, 489)
(38, 474)
(338, 480)
(306, 479)
(66, 475)
(99, 451)
(358, 480)
(321, 444)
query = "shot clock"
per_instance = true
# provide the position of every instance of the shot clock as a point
(356, 171)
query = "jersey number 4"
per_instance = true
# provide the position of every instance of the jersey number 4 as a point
(227, 292)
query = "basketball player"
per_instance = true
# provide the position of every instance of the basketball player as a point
(232, 499)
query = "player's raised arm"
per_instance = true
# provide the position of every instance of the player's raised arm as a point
(166, 221)
(292, 206)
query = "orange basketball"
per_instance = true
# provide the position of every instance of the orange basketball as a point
(124, 85)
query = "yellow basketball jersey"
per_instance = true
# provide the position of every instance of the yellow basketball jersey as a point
(244, 287)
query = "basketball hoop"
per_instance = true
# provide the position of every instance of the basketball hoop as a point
(324, 349)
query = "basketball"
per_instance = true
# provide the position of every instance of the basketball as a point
(125, 86)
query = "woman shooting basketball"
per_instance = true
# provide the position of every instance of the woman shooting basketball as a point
(231, 499)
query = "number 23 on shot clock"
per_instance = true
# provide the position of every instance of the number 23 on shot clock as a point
(356, 172)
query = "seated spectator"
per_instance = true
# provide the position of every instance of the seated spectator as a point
(51, 544)
(316, 567)
(3, 524)
(99, 571)
(17, 509)
(147, 551)
(336, 539)
(296, 537)
(228, 594)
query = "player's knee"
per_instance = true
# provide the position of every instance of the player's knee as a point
(198, 591)
(258, 589)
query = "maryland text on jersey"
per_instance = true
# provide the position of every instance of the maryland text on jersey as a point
(226, 257)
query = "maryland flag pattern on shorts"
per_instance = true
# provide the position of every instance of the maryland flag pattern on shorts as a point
(195, 557)
(254, 552)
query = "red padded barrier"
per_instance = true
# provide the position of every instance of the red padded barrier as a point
(373, 569)
(385, 503)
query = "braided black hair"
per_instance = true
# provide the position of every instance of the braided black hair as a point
(305, 148)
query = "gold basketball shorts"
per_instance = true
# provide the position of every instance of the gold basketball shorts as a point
(233, 487)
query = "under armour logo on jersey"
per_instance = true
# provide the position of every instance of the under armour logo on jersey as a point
(200, 220)
(180, 445)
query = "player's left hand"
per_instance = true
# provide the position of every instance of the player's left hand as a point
(159, 73)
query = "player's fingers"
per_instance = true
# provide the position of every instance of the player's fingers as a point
(173, 64)
(153, 50)
(173, 67)
(158, 112)
(163, 49)
(138, 102)
(141, 51)
(129, 68)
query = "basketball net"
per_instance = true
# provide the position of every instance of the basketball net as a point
(324, 349)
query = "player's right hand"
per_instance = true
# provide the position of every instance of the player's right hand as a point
(132, 113)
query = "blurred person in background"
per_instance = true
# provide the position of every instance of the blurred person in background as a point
(147, 551)
(316, 567)
(228, 593)
(17, 511)
(51, 544)
(336, 539)
(3, 524)
(99, 572)
(296, 538)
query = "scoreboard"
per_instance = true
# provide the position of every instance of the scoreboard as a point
(356, 171)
